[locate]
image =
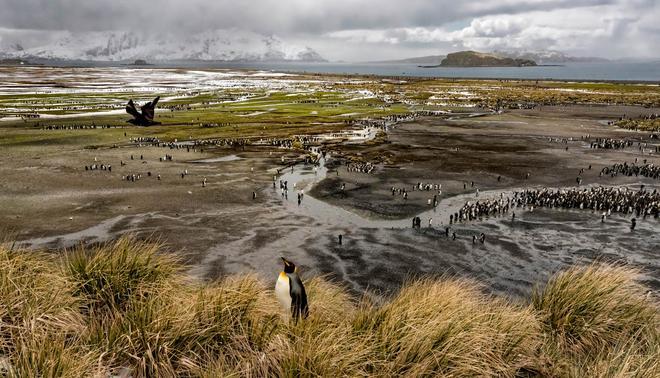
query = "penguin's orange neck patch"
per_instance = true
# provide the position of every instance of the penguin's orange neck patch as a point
(282, 274)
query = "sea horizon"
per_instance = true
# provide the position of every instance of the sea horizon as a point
(647, 72)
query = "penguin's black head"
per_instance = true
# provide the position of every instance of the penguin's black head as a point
(289, 267)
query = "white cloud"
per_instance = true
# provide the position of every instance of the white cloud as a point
(619, 30)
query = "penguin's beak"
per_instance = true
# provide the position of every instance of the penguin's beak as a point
(286, 262)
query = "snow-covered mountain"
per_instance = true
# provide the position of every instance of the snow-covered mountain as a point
(227, 45)
(546, 56)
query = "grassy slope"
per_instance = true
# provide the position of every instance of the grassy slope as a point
(123, 305)
(486, 92)
(281, 114)
(268, 115)
(640, 124)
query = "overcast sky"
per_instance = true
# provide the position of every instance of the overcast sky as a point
(358, 30)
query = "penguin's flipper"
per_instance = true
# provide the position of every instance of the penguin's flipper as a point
(298, 297)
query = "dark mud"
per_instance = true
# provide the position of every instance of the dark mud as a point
(220, 230)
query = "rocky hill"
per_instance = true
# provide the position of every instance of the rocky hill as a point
(477, 59)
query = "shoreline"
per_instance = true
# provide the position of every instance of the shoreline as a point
(238, 66)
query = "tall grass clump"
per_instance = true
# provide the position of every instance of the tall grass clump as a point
(123, 292)
(630, 357)
(450, 327)
(227, 327)
(599, 318)
(324, 344)
(109, 276)
(125, 307)
(40, 326)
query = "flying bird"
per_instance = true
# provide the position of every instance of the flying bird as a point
(146, 118)
(290, 291)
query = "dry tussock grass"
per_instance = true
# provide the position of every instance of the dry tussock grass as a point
(125, 306)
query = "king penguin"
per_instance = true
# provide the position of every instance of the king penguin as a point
(290, 291)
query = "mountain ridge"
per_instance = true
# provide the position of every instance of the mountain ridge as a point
(427, 59)
(547, 56)
(216, 45)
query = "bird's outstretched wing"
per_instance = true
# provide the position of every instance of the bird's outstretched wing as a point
(298, 297)
(130, 109)
(149, 109)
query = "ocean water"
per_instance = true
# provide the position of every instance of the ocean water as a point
(601, 71)
(608, 71)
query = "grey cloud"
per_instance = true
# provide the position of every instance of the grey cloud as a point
(265, 16)
(347, 29)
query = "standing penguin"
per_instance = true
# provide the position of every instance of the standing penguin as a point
(290, 291)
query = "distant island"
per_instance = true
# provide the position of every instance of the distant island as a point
(477, 59)
(14, 62)
(140, 62)
(540, 57)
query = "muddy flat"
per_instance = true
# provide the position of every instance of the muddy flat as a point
(215, 205)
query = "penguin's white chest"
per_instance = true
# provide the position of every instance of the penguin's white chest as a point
(282, 291)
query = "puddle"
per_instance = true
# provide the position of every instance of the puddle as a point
(219, 159)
